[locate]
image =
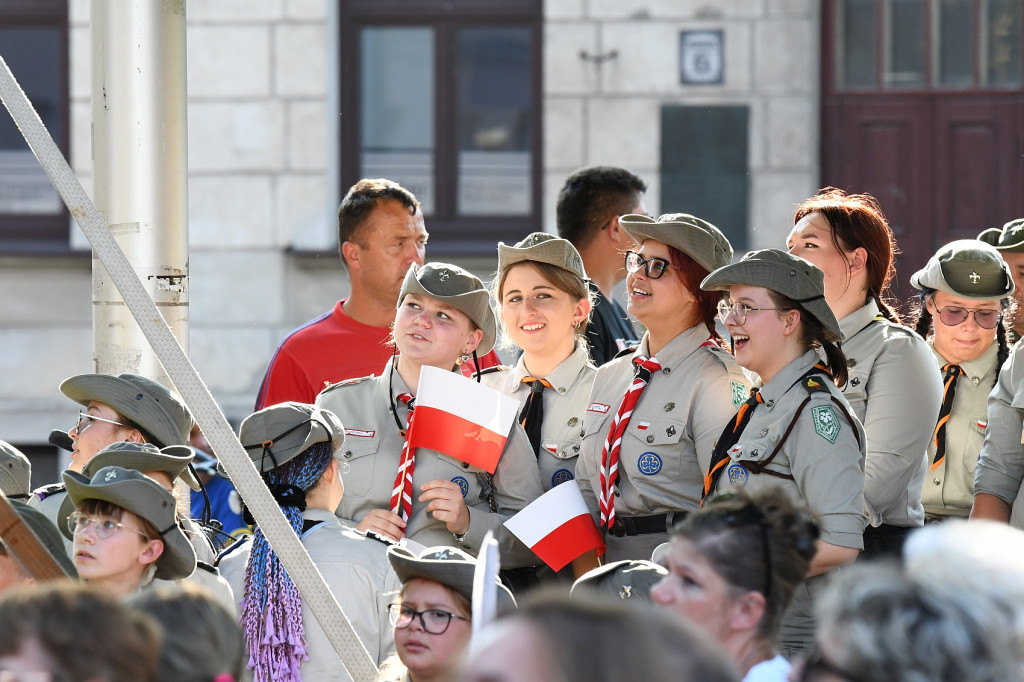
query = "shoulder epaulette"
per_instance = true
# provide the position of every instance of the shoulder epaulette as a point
(625, 351)
(345, 382)
(203, 566)
(45, 491)
(491, 370)
(232, 547)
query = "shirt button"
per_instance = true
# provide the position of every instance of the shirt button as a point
(576, 448)
(465, 465)
(348, 453)
(976, 381)
(770, 403)
(650, 439)
(618, 494)
(935, 481)
(666, 371)
(561, 390)
(573, 421)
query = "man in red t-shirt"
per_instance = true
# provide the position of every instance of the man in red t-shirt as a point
(380, 234)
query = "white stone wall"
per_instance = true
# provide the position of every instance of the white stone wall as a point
(262, 83)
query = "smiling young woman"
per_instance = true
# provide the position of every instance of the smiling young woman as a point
(656, 410)
(849, 239)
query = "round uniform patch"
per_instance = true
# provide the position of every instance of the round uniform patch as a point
(561, 476)
(462, 483)
(737, 474)
(649, 463)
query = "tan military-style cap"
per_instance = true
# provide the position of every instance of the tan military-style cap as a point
(968, 268)
(1010, 237)
(147, 499)
(792, 276)
(458, 288)
(151, 405)
(449, 566)
(542, 247)
(280, 433)
(699, 239)
(15, 471)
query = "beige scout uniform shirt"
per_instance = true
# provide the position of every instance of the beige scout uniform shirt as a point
(668, 444)
(564, 406)
(357, 571)
(895, 393)
(1001, 463)
(827, 465)
(373, 449)
(949, 489)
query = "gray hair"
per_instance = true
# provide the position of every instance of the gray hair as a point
(883, 624)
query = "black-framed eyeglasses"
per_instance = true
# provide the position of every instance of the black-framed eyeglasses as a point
(654, 267)
(103, 526)
(953, 315)
(86, 420)
(815, 663)
(738, 310)
(434, 621)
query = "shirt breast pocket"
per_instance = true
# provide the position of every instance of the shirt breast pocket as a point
(462, 474)
(359, 454)
(652, 448)
(856, 390)
(750, 456)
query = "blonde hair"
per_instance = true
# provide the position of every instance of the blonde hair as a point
(560, 278)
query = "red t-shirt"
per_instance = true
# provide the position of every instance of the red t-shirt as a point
(326, 350)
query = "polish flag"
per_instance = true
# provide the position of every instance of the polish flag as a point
(557, 526)
(461, 418)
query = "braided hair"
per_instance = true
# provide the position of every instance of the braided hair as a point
(271, 615)
(924, 325)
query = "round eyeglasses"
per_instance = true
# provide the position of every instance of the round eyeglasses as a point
(953, 315)
(434, 621)
(86, 420)
(103, 526)
(738, 310)
(654, 267)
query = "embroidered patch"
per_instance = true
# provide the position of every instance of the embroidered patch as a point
(649, 463)
(462, 483)
(643, 426)
(598, 407)
(360, 433)
(739, 393)
(561, 476)
(737, 474)
(826, 424)
(981, 424)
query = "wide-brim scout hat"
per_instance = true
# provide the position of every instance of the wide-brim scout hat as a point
(446, 565)
(699, 239)
(142, 457)
(15, 471)
(151, 405)
(541, 247)
(1010, 237)
(147, 499)
(280, 433)
(795, 278)
(458, 288)
(47, 534)
(968, 268)
(627, 579)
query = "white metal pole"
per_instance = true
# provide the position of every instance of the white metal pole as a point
(140, 171)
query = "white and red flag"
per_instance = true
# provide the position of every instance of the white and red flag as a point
(557, 526)
(461, 418)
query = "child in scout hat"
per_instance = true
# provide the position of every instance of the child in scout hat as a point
(965, 289)
(15, 472)
(748, 555)
(433, 617)
(297, 449)
(443, 317)
(12, 573)
(1009, 242)
(655, 411)
(796, 430)
(124, 530)
(848, 237)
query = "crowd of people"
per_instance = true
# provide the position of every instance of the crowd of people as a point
(780, 464)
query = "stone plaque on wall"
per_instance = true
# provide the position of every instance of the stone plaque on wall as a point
(701, 60)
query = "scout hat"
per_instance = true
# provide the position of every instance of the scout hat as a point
(782, 272)
(147, 499)
(15, 471)
(446, 565)
(1010, 237)
(459, 289)
(542, 247)
(47, 534)
(151, 405)
(142, 457)
(280, 433)
(968, 268)
(628, 579)
(699, 239)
